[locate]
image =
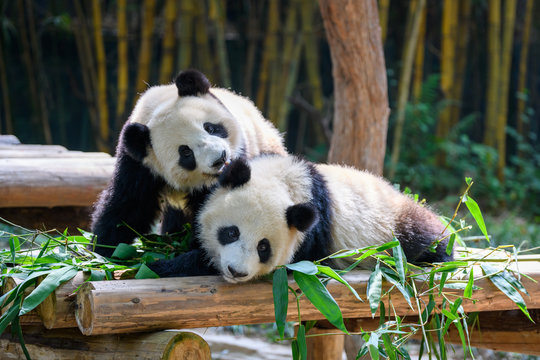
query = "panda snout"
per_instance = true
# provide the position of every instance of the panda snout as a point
(235, 273)
(220, 161)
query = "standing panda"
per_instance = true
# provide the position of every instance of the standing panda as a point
(173, 146)
(277, 210)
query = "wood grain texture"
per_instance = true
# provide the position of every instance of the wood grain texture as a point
(49, 182)
(360, 88)
(205, 301)
(68, 344)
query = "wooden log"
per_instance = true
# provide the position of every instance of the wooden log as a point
(45, 218)
(9, 140)
(324, 347)
(204, 301)
(24, 147)
(68, 344)
(52, 182)
(31, 318)
(15, 153)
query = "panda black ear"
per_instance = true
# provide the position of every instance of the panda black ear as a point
(237, 173)
(191, 83)
(135, 139)
(302, 216)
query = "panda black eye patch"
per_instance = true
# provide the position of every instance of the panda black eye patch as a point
(216, 130)
(227, 235)
(264, 249)
(187, 158)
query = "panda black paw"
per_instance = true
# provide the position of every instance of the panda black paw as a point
(191, 263)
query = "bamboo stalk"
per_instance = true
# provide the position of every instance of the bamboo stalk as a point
(253, 35)
(404, 86)
(123, 64)
(185, 55)
(108, 307)
(521, 87)
(269, 55)
(493, 66)
(5, 93)
(384, 9)
(145, 50)
(167, 58)
(419, 57)
(217, 14)
(506, 67)
(101, 96)
(203, 55)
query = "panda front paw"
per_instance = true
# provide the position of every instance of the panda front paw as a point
(191, 263)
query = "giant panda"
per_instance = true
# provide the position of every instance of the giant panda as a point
(276, 210)
(173, 146)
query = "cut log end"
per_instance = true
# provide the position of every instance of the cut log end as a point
(84, 310)
(187, 345)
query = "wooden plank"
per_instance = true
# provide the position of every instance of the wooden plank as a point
(15, 153)
(23, 147)
(52, 182)
(204, 301)
(68, 344)
(45, 218)
(9, 140)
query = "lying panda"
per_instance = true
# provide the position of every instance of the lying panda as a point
(175, 143)
(278, 210)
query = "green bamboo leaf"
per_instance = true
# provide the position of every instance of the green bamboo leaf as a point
(374, 289)
(43, 248)
(402, 289)
(280, 291)
(442, 345)
(328, 271)
(474, 209)
(97, 275)
(500, 282)
(401, 263)
(389, 347)
(124, 252)
(388, 245)
(301, 338)
(462, 337)
(8, 317)
(295, 351)
(46, 287)
(442, 281)
(14, 246)
(145, 272)
(373, 345)
(450, 245)
(306, 267)
(469, 288)
(319, 296)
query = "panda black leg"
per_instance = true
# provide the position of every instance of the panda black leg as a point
(173, 220)
(132, 197)
(191, 263)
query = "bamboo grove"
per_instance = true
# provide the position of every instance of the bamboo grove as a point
(71, 71)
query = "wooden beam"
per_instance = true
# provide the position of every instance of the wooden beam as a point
(14, 153)
(204, 301)
(9, 140)
(49, 218)
(50, 182)
(68, 344)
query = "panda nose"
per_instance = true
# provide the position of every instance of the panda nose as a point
(221, 161)
(235, 273)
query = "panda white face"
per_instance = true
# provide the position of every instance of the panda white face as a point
(245, 230)
(192, 138)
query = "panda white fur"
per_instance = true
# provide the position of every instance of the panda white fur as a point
(173, 146)
(277, 210)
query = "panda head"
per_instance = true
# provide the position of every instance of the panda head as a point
(182, 132)
(258, 217)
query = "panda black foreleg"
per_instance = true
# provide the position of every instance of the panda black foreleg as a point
(191, 263)
(173, 220)
(132, 197)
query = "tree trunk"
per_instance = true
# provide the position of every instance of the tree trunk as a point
(493, 66)
(187, 13)
(419, 57)
(122, 81)
(103, 142)
(217, 13)
(145, 50)
(360, 88)
(166, 71)
(384, 8)
(404, 83)
(5, 94)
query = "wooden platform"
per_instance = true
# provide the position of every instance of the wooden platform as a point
(49, 186)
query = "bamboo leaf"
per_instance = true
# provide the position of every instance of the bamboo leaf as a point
(373, 345)
(468, 289)
(474, 209)
(145, 272)
(442, 281)
(306, 267)
(401, 263)
(301, 341)
(14, 246)
(389, 347)
(500, 282)
(326, 270)
(124, 251)
(295, 351)
(46, 287)
(281, 299)
(403, 290)
(374, 289)
(388, 245)
(319, 296)
(450, 245)
(8, 317)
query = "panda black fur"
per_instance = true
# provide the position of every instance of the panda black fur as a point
(173, 146)
(276, 210)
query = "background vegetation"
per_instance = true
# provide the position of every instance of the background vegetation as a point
(463, 83)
